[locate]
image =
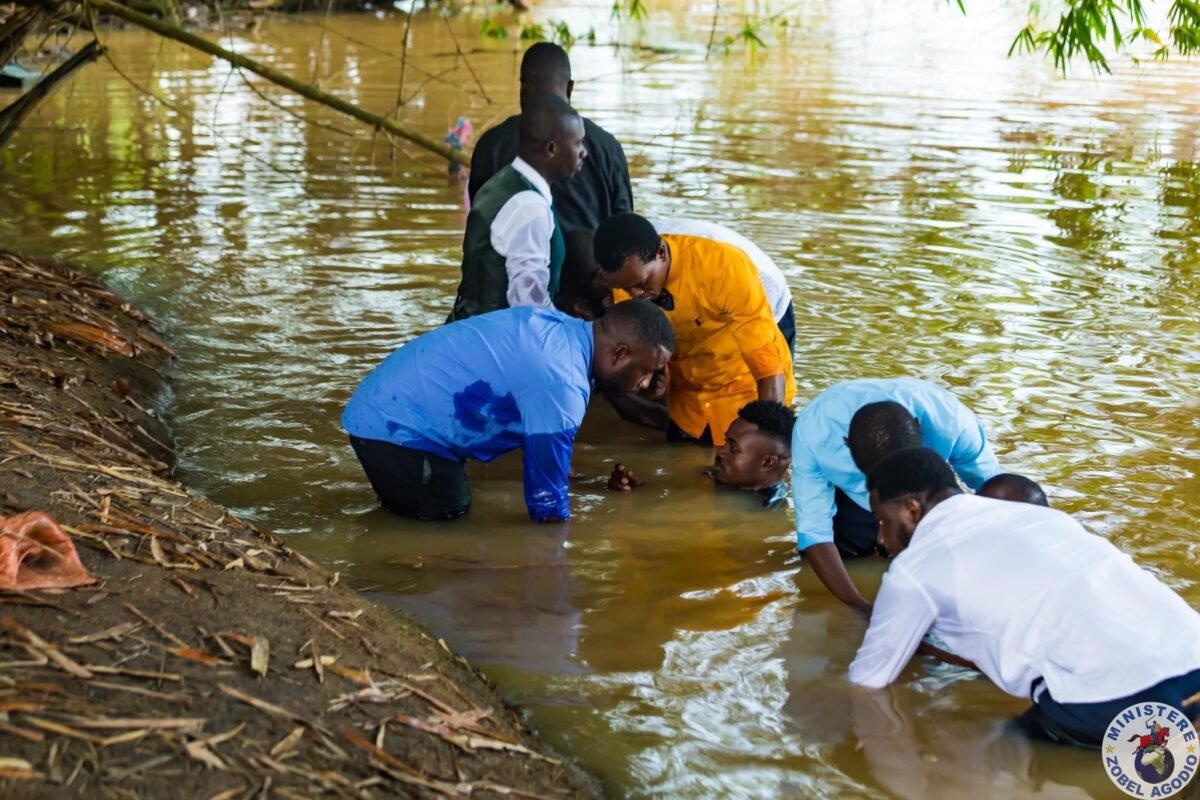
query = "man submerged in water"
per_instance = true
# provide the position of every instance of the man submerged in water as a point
(1017, 488)
(756, 455)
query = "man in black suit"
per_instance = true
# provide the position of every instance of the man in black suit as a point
(600, 189)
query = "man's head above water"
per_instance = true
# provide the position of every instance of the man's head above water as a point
(1018, 488)
(904, 487)
(631, 342)
(551, 137)
(879, 429)
(546, 69)
(632, 256)
(758, 447)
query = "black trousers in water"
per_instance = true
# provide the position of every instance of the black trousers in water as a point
(855, 530)
(1084, 724)
(414, 483)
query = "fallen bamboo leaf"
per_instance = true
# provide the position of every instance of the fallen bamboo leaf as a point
(237, 563)
(178, 697)
(192, 654)
(260, 653)
(136, 673)
(63, 730)
(261, 705)
(46, 649)
(115, 632)
(317, 662)
(153, 723)
(122, 738)
(307, 663)
(344, 614)
(359, 676)
(287, 742)
(156, 551)
(17, 769)
(201, 753)
(406, 773)
(32, 736)
(470, 742)
(462, 718)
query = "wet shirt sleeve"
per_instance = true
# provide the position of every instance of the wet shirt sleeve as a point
(743, 304)
(812, 495)
(551, 417)
(902, 615)
(971, 455)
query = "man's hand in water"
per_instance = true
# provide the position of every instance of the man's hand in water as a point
(622, 479)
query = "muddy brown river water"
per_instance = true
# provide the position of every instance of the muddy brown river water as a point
(940, 211)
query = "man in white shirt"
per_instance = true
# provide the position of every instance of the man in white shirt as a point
(1039, 605)
(513, 248)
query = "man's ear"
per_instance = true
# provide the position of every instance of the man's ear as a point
(570, 88)
(914, 508)
(620, 352)
(770, 463)
(662, 250)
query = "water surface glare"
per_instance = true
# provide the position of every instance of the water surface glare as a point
(940, 211)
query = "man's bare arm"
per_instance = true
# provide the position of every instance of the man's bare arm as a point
(827, 563)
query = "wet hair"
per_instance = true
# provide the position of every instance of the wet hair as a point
(914, 471)
(772, 418)
(1011, 486)
(546, 64)
(645, 321)
(879, 429)
(544, 117)
(624, 235)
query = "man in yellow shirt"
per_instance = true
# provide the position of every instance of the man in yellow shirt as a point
(729, 351)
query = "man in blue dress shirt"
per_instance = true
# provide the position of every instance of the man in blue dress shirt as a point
(841, 435)
(484, 386)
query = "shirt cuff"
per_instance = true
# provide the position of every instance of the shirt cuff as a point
(765, 362)
(807, 540)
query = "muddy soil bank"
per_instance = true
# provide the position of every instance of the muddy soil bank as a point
(210, 660)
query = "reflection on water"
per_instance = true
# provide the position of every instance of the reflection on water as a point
(939, 210)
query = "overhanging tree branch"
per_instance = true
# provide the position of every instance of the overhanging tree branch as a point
(170, 31)
(15, 113)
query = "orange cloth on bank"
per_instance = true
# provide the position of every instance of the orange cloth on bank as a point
(725, 336)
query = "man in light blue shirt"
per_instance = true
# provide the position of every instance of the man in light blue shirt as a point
(517, 378)
(838, 439)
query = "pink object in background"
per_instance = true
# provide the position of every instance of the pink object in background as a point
(35, 553)
(458, 138)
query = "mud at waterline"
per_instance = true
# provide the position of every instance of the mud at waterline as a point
(209, 660)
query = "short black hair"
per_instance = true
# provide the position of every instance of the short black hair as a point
(645, 321)
(543, 117)
(914, 471)
(546, 62)
(1020, 488)
(624, 235)
(879, 429)
(772, 418)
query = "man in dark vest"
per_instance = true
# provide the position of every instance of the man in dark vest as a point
(602, 187)
(513, 248)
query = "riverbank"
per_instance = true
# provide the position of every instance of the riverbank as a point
(209, 660)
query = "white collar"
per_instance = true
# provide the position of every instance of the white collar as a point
(532, 175)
